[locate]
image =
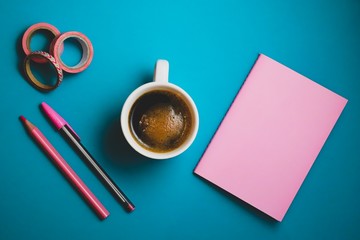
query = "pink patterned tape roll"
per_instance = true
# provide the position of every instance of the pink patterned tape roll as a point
(32, 79)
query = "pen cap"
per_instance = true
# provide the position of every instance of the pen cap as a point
(56, 119)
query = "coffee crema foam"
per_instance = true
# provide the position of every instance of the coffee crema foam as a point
(160, 120)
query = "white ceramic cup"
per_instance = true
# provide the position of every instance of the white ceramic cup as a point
(160, 82)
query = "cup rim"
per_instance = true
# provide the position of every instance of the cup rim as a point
(145, 88)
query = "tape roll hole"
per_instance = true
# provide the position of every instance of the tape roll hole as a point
(45, 73)
(41, 40)
(75, 53)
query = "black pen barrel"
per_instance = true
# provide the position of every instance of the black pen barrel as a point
(94, 165)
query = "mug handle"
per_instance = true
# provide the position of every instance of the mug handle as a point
(161, 73)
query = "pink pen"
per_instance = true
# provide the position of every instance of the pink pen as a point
(69, 173)
(74, 140)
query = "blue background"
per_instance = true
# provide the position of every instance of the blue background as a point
(211, 47)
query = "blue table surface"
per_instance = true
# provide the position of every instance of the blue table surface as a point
(211, 47)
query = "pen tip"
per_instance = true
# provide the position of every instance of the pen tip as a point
(22, 118)
(26, 122)
(43, 104)
(130, 207)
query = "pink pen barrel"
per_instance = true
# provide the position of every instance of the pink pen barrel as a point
(64, 167)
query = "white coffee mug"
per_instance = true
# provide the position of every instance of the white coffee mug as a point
(160, 83)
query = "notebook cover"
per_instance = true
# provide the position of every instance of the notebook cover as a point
(270, 137)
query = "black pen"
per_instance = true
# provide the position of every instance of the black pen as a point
(70, 135)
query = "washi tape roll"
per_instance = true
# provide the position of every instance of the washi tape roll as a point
(87, 51)
(30, 76)
(29, 33)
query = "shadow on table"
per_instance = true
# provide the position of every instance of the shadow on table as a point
(115, 145)
(118, 149)
(254, 211)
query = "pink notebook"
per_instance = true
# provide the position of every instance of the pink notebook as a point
(270, 137)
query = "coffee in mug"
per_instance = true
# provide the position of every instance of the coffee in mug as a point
(160, 120)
